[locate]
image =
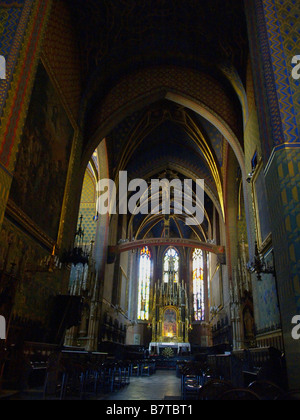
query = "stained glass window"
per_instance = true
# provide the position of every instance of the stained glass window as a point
(198, 285)
(171, 265)
(144, 284)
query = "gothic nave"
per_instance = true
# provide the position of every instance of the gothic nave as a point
(149, 213)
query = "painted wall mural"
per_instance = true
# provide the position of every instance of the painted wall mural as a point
(43, 158)
(20, 255)
(268, 315)
(170, 323)
(261, 206)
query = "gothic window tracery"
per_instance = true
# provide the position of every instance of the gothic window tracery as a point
(144, 284)
(171, 266)
(198, 285)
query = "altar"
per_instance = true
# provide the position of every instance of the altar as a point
(170, 315)
(178, 348)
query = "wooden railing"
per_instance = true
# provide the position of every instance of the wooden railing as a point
(244, 366)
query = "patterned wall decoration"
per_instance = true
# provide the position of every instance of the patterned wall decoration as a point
(271, 75)
(283, 179)
(16, 89)
(265, 89)
(282, 182)
(22, 65)
(267, 315)
(43, 159)
(62, 59)
(88, 207)
(283, 26)
(190, 83)
(10, 14)
(13, 19)
(289, 175)
(13, 118)
(279, 27)
(274, 28)
(290, 27)
(62, 55)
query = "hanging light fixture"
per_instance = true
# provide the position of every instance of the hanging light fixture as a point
(48, 264)
(259, 266)
(79, 254)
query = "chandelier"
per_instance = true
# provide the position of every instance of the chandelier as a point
(79, 254)
(49, 264)
(259, 266)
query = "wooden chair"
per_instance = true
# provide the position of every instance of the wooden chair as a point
(293, 395)
(214, 389)
(266, 390)
(239, 395)
(190, 387)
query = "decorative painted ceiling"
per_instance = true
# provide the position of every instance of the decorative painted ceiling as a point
(117, 38)
(119, 34)
(161, 130)
(166, 140)
(126, 48)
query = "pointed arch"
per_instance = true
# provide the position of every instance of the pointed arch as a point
(144, 284)
(198, 285)
(171, 264)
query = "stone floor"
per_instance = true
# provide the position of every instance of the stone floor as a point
(164, 385)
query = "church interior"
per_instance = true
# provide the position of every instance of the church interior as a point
(98, 305)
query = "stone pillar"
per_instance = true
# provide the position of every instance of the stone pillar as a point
(239, 343)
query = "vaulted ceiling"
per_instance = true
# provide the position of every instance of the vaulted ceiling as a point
(118, 39)
(166, 140)
(123, 35)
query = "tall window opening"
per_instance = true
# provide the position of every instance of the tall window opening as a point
(144, 284)
(198, 285)
(171, 266)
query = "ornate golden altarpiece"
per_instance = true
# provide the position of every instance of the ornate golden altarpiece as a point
(170, 317)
